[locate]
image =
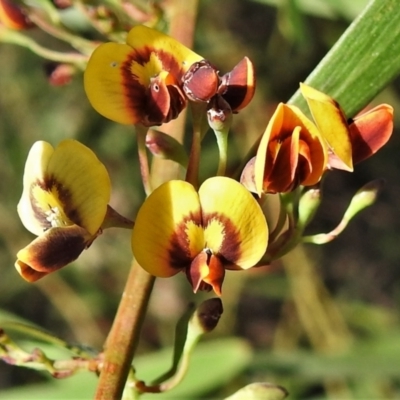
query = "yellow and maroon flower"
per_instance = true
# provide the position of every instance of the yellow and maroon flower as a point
(291, 153)
(140, 81)
(201, 233)
(64, 202)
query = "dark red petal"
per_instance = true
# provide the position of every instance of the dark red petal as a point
(164, 102)
(201, 81)
(370, 131)
(238, 86)
(57, 248)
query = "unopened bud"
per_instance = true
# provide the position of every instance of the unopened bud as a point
(219, 114)
(59, 74)
(308, 206)
(258, 391)
(207, 315)
(165, 146)
(365, 197)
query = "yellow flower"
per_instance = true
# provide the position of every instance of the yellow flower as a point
(201, 233)
(140, 81)
(64, 202)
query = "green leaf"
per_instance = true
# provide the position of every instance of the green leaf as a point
(332, 9)
(213, 364)
(369, 359)
(363, 61)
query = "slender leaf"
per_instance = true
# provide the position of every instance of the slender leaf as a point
(213, 364)
(363, 61)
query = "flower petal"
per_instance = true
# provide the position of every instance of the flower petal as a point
(370, 131)
(35, 170)
(83, 184)
(179, 56)
(69, 184)
(234, 224)
(286, 120)
(206, 272)
(106, 88)
(331, 122)
(12, 16)
(168, 234)
(238, 86)
(55, 249)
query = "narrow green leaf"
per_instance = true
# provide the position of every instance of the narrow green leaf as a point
(213, 364)
(363, 61)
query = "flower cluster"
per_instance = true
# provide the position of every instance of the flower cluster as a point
(199, 229)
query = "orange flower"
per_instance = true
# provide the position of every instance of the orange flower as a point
(291, 153)
(297, 151)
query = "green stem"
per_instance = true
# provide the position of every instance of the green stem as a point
(82, 45)
(14, 37)
(198, 113)
(46, 337)
(141, 132)
(124, 334)
(222, 142)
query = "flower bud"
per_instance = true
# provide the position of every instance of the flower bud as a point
(308, 206)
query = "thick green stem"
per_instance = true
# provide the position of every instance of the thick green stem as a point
(124, 335)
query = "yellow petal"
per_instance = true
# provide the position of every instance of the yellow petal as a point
(167, 234)
(105, 84)
(55, 249)
(173, 53)
(62, 187)
(35, 170)
(331, 122)
(83, 184)
(234, 224)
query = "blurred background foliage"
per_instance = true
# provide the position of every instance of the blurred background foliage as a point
(323, 322)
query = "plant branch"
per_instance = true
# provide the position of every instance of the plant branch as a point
(124, 335)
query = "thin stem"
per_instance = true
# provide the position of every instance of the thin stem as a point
(222, 141)
(141, 132)
(124, 335)
(83, 45)
(37, 333)
(10, 36)
(198, 113)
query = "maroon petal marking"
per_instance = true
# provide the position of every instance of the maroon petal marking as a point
(55, 249)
